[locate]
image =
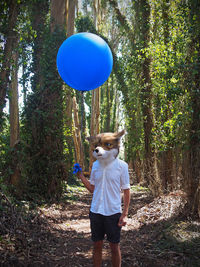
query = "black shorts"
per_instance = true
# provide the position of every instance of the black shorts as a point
(105, 225)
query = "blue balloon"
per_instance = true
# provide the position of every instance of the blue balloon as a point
(84, 61)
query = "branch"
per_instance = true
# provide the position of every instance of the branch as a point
(123, 21)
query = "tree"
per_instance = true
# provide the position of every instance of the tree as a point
(14, 109)
(143, 10)
(139, 40)
(68, 92)
(77, 136)
(194, 83)
(14, 123)
(44, 110)
(10, 38)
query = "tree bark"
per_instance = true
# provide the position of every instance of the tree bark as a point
(77, 136)
(14, 109)
(14, 124)
(70, 20)
(108, 108)
(167, 177)
(151, 167)
(191, 76)
(94, 125)
(44, 109)
(71, 17)
(59, 11)
(10, 42)
(95, 113)
(193, 81)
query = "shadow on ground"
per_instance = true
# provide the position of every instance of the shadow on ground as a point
(59, 235)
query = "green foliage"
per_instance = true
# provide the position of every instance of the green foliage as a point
(137, 188)
(168, 51)
(168, 55)
(172, 93)
(85, 24)
(5, 152)
(73, 192)
(43, 121)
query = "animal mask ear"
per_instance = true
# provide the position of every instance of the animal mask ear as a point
(92, 139)
(120, 134)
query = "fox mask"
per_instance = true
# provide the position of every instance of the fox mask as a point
(105, 146)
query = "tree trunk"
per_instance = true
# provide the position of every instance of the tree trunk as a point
(11, 38)
(167, 170)
(94, 126)
(138, 169)
(14, 124)
(115, 106)
(38, 15)
(95, 114)
(70, 19)
(77, 136)
(195, 140)
(14, 109)
(108, 108)
(194, 82)
(151, 168)
(59, 11)
(44, 109)
(54, 140)
(24, 66)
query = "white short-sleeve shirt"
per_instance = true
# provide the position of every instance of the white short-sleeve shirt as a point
(108, 182)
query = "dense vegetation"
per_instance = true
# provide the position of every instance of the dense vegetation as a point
(153, 92)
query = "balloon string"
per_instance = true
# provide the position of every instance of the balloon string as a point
(82, 117)
(82, 109)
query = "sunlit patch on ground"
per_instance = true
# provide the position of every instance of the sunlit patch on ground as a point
(156, 234)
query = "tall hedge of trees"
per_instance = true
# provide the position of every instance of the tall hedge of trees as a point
(153, 92)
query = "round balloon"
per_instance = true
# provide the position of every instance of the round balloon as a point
(84, 61)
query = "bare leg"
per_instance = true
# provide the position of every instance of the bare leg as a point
(97, 253)
(116, 254)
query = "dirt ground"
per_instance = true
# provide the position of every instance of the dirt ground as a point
(157, 234)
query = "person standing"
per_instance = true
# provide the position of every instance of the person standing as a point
(108, 179)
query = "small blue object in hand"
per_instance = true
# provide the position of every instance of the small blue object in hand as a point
(76, 168)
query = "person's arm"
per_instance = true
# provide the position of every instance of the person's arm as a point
(85, 181)
(125, 208)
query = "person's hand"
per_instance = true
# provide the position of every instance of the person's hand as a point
(79, 174)
(77, 168)
(122, 221)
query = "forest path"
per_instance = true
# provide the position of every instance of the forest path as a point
(59, 234)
